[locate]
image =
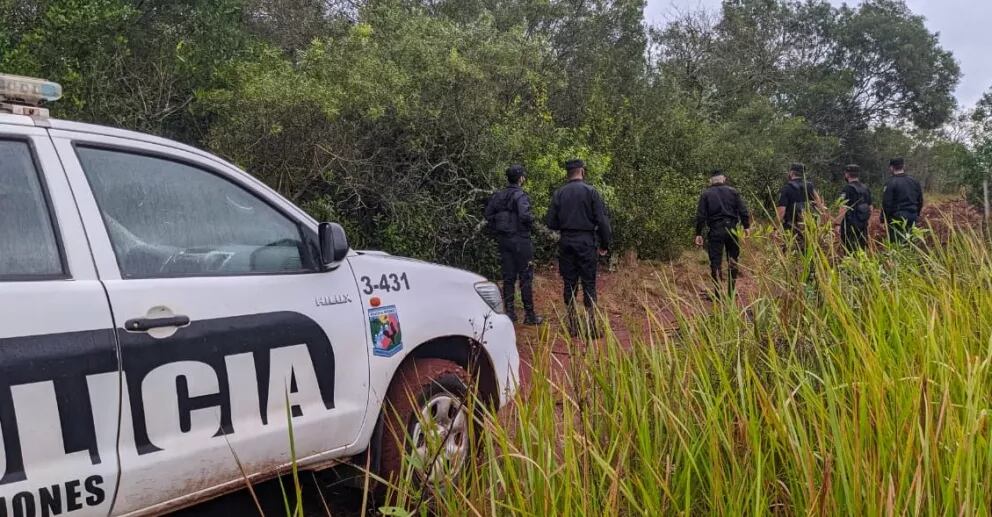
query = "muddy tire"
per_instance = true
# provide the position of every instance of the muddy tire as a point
(425, 416)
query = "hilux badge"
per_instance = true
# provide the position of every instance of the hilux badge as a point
(325, 301)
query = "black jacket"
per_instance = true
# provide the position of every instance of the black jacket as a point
(857, 198)
(902, 195)
(721, 205)
(797, 196)
(517, 202)
(578, 207)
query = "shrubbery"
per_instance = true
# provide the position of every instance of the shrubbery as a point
(397, 117)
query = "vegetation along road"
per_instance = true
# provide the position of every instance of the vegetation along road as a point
(868, 394)
(831, 385)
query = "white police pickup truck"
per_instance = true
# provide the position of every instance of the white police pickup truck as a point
(162, 312)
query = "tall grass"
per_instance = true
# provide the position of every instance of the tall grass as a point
(863, 389)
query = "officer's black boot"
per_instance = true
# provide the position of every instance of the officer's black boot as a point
(732, 280)
(527, 296)
(510, 311)
(591, 327)
(509, 301)
(509, 286)
(593, 331)
(572, 321)
(717, 284)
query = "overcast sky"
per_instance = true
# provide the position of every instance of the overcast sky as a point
(965, 28)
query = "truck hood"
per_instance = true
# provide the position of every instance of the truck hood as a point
(452, 273)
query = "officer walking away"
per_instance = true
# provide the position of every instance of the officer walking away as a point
(796, 198)
(723, 211)
(510, 221)
(855, 211)
(902, 201)
(578, 213)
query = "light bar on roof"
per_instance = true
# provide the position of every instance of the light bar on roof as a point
(27, 90)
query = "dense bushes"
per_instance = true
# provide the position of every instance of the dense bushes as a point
(397, 117)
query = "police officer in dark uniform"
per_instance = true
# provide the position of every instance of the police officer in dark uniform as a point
(722, 209)
(510, 219)
(855, 211)
(902, 201)
(796, 198)
(578, 213)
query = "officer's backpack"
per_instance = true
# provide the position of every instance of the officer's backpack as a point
(805, 191)
(503, 221)
(861, 213)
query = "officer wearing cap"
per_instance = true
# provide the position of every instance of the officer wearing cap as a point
(510, 219)
(578, 213)
(722, 209)
(795, 200)
(855, 211)
(902, 201)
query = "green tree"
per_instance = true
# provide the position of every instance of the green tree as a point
(400, 127)
(979, 163)
(397, 117)
(845, 70)
(129, 64)
(899, 72)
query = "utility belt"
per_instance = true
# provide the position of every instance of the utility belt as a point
(852, 219)
(905, 215)
(515, 237)
(585, 237)
(725, 224)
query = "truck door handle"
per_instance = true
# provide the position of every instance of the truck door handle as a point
(146, 324)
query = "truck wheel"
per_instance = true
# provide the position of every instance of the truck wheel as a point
(426, 417)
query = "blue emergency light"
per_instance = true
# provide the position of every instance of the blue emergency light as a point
(28, 90)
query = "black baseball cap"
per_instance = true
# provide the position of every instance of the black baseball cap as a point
(515, 171)
(573, 164)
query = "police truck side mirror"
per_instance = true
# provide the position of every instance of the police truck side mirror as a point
(333, 244)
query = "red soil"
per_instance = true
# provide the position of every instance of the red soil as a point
(632, 296)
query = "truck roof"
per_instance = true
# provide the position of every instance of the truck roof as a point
(79, 127)
(94, 129)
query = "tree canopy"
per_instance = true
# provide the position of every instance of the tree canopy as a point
(397, 117)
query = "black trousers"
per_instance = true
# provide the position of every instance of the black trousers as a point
(795, 240)
(577, 262)
(797, 236)
(854, 236)
(901, 226)
(517, 260)
(722, 240)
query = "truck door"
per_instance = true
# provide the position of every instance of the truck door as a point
(222, 316)
(59, 379)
